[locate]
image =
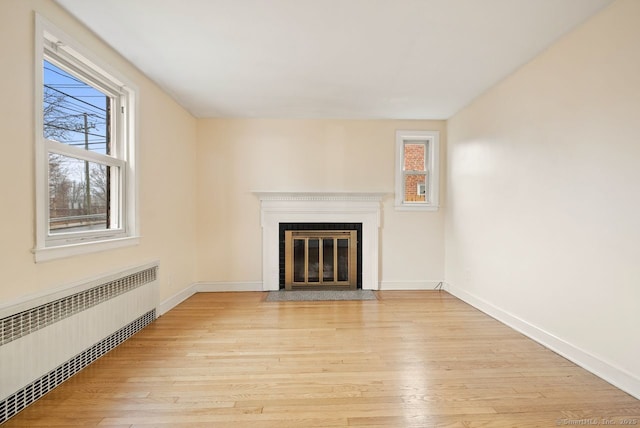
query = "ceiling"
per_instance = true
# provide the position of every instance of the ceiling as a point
(357, 59)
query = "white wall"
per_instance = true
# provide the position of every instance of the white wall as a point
(166, 153)
(543, 219)
(239, 156)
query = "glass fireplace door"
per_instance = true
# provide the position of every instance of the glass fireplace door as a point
(322, 259)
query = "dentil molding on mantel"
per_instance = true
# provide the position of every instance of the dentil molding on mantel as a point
(321, 196)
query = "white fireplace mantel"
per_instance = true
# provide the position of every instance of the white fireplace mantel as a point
(320, 207)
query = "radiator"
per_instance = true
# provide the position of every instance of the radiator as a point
(47, 339)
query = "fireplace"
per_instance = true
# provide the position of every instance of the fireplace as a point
(321, 207)
(320, 256)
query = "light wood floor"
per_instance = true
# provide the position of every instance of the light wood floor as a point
(409, 359)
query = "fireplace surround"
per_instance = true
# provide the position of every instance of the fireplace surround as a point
(320, 207)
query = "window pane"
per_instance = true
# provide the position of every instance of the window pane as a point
(415, 186)
(415, 156)
(298, 260)
(343, 259)
(78, 195)
(327, 260)
(75, 112)
(314, 261)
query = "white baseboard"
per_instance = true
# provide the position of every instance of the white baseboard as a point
(213, 287)
(408, 285)
(614, 375)
(176, 299)
(205, 287)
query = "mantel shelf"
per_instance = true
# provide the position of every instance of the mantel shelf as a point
(321, 196)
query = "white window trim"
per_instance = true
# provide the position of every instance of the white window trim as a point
(433, 170)
(47, 248)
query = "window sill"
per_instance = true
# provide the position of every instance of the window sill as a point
(416, 207)
(64, 251)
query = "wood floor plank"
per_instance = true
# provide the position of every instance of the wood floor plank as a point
(407, 359)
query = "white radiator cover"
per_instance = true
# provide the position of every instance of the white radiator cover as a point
(40, 334)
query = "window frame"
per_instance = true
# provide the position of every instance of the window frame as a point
(432, 170)
(56, 47)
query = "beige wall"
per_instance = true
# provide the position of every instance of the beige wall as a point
(282, 155)
(542, 200)
(239, 156)
(167, 137)
(543, 219)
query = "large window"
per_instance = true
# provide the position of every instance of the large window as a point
(85, 150)
(417, 170)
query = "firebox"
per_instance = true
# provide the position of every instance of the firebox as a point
(320, 256)
(320, 259)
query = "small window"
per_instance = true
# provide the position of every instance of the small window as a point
(417, 170)
(84, 147)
